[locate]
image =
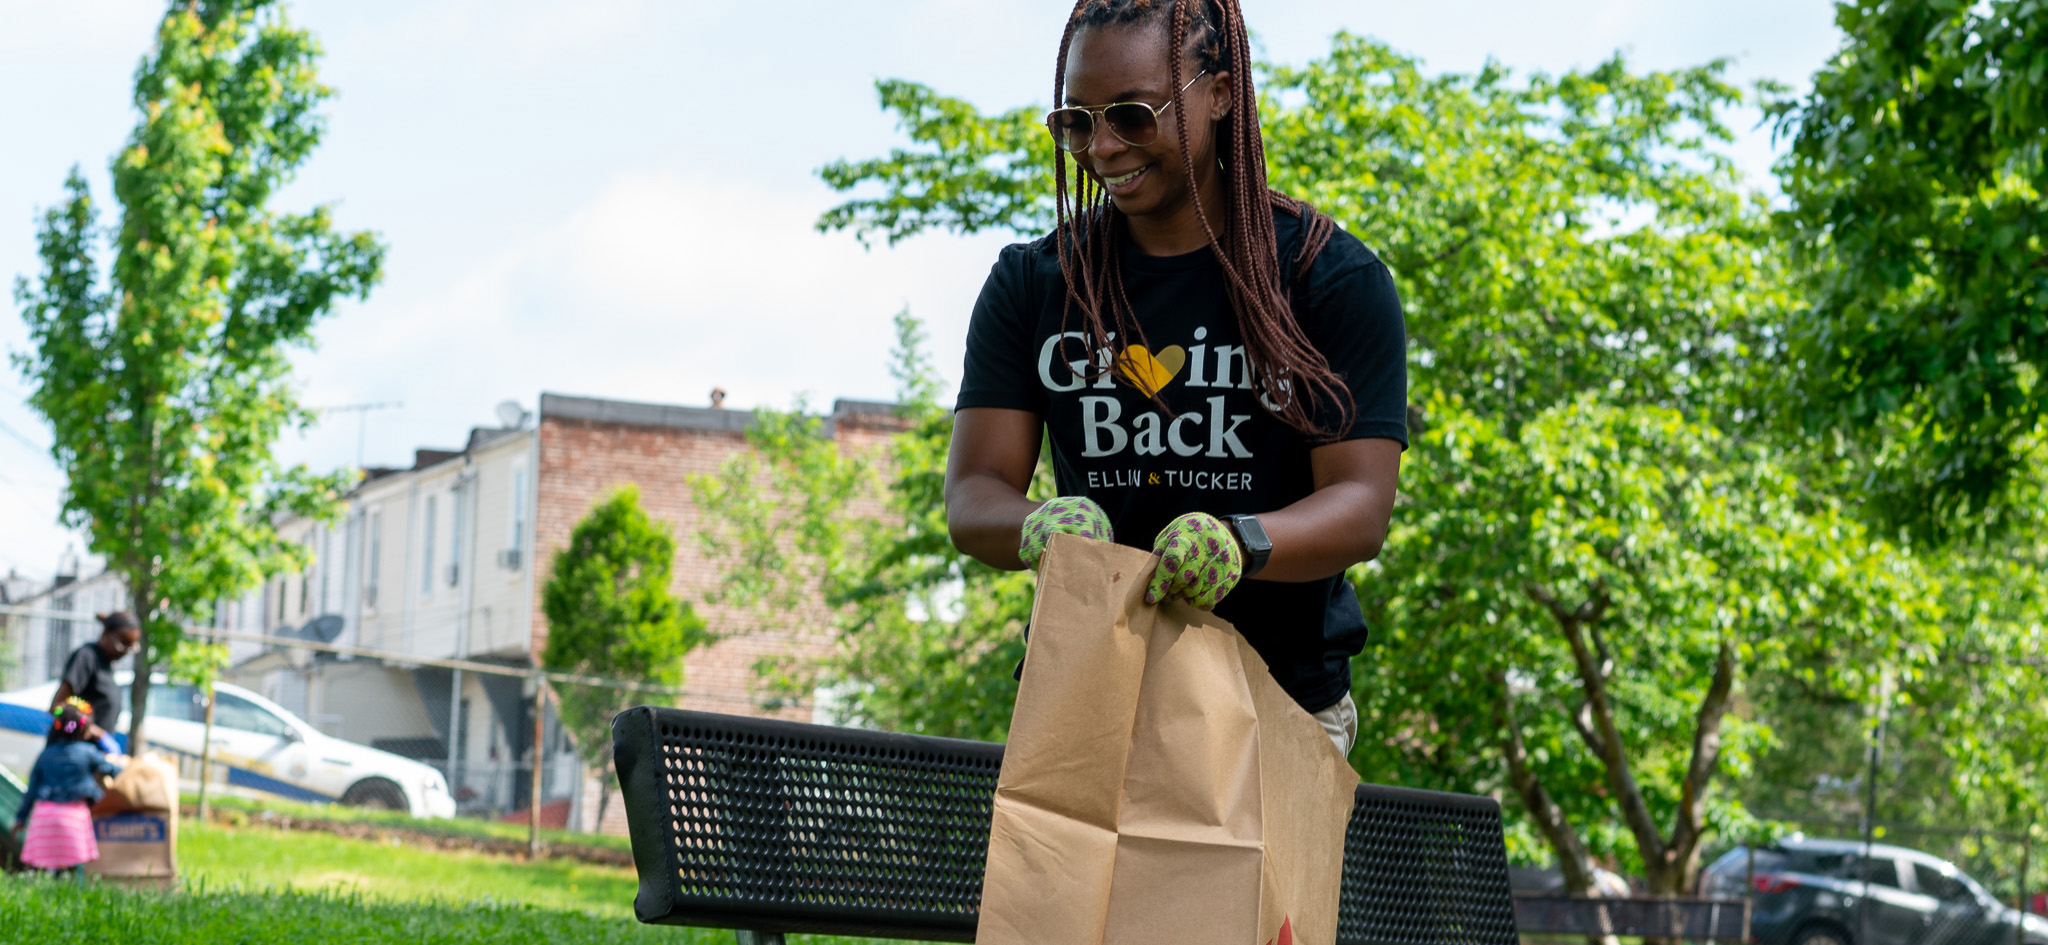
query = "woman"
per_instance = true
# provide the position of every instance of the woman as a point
(1222, 370)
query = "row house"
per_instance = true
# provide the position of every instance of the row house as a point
(446, 559)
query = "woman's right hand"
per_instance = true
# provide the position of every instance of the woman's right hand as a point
(1070, 515)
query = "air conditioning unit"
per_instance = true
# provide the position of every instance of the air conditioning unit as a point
(510, 558)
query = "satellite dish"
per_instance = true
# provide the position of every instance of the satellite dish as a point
(511, 415)
(323, 629)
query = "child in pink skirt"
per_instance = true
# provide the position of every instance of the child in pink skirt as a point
(62, 787)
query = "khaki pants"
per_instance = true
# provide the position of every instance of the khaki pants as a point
(1340, 721)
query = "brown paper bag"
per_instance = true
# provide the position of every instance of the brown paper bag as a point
(148, 783)
(136, 825)
(1159, 786)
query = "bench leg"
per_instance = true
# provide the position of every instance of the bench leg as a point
(758, 938)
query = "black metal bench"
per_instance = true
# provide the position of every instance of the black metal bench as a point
(771, 827)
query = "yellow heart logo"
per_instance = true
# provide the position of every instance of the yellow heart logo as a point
(1149, 372)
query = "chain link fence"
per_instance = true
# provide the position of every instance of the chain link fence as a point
(310, 720)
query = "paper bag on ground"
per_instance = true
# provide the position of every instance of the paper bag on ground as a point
(136, 825)
(148, 783)
(1159, 786)
(137, 849)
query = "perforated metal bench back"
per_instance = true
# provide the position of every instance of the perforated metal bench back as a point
(785, 827)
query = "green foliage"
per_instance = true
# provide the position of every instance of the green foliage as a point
(1962, 725)
(972, 172)
(1919, 198)
(1591, 297)
(198, 663)
(927, 636)
(611, 614)
(1597, 605)
(165, 385)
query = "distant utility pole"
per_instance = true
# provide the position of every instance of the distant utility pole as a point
(362, 412)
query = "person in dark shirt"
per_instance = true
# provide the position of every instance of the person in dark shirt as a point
(89, 673)
(1221, 370)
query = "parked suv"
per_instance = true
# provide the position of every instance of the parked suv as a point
(1813, 892)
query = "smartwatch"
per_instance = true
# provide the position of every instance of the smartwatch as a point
(1251, 536)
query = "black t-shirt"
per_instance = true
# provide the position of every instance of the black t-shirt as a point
(91, 675)
(1219, 451)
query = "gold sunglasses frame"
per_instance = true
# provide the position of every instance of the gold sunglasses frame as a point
(1099, 123)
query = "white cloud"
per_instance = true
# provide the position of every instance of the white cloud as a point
(1615, 21)
(658, 288)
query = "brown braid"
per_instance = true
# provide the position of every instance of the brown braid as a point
(1088, 222)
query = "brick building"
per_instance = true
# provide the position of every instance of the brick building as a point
(447, 558)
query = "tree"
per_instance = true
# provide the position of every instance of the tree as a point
(1917, 181)
(1962, 723)
(1590, 620)
(164, 375)
(611, 614)
(927, 637)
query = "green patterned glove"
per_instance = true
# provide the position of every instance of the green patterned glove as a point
(1198, 560)
(1069, 515)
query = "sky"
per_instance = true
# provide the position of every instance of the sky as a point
(615, 198)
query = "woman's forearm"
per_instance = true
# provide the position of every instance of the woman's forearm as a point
(1344, 521)
(985, 516)
(1323, 534)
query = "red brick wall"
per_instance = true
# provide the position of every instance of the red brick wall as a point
(582, 461)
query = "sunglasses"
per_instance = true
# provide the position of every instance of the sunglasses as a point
(1133, 123)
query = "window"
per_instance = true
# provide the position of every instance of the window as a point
(306, 579)
(455, 499)
(375, 557)
(179, 703)
(326, 555)
(57, 638)
(1884, 871)
(517, 541)
(1934, 882)
(427, 550)
(232, 711)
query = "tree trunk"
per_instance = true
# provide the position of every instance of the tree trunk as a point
(142, 586)
(1667, 864)
(206, 760)
(1572, 859)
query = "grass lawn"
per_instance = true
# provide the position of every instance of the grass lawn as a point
(42, 911)
(36, 910)
(254, 884)
(261, 858)
(229, 808)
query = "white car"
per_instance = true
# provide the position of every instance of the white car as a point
(262, 747)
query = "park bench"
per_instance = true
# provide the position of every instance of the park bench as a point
(770, 827)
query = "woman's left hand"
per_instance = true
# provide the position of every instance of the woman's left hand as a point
(1199, 561)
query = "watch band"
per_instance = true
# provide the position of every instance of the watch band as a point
(1252, 540)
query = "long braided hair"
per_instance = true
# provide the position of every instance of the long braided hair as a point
(1298, 378)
